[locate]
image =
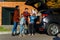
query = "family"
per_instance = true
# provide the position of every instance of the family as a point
(26, 21)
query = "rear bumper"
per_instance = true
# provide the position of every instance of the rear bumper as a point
(43, 27)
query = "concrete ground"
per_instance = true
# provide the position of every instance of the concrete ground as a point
(8, 36)
(27, 37)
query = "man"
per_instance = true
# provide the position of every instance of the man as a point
(16, 20)
(26, 14)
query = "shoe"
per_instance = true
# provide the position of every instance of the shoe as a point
(19, 33)
(16, 33)
(32, 34)
(13, 34)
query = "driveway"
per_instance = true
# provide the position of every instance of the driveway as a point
(27, 37)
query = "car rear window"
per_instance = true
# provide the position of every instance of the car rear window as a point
(55, 11)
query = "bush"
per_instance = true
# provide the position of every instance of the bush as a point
(3, 29)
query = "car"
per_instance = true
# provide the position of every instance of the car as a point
(51, 18)
(51, 21)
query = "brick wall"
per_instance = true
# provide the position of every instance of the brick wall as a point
(22, 6)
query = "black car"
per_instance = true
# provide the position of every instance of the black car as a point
(51, 20)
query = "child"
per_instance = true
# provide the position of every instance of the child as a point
(31, 24)
(22, 24)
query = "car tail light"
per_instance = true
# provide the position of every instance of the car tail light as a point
(44, 15)
(41, 29)
(45, 19)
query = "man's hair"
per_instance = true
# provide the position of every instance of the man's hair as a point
(17, 6)
(26, 8)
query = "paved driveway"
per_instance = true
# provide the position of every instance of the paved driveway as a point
(35, 37)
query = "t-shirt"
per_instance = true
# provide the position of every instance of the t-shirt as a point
(32, 18)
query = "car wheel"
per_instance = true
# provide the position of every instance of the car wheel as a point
(53, 29)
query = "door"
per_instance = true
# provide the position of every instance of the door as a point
(7, 15)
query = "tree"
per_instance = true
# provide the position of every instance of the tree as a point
(14, 0)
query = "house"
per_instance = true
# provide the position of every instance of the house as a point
(6, 11)
(7, 8)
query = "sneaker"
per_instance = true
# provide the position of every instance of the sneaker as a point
(13, 34)
(32, 34)
(16, 33)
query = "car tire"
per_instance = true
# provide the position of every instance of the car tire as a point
(53, 29)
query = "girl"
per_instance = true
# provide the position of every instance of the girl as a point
(31, 24)
(22, 24)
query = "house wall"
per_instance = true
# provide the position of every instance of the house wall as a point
(22, 6)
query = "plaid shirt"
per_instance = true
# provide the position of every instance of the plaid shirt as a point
(16, 15)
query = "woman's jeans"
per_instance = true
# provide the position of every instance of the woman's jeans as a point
(31, 29)
(15, 27)
(21, 29)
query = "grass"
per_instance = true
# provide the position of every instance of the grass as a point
(2, 29)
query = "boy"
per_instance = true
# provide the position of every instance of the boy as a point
(22, 24)
(31, 24)
(26, 14)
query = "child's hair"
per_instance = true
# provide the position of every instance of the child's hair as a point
(26, 8)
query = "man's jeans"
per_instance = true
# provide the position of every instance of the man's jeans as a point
(15, 27)
(21, 29)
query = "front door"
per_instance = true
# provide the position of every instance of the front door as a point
(7, 15)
